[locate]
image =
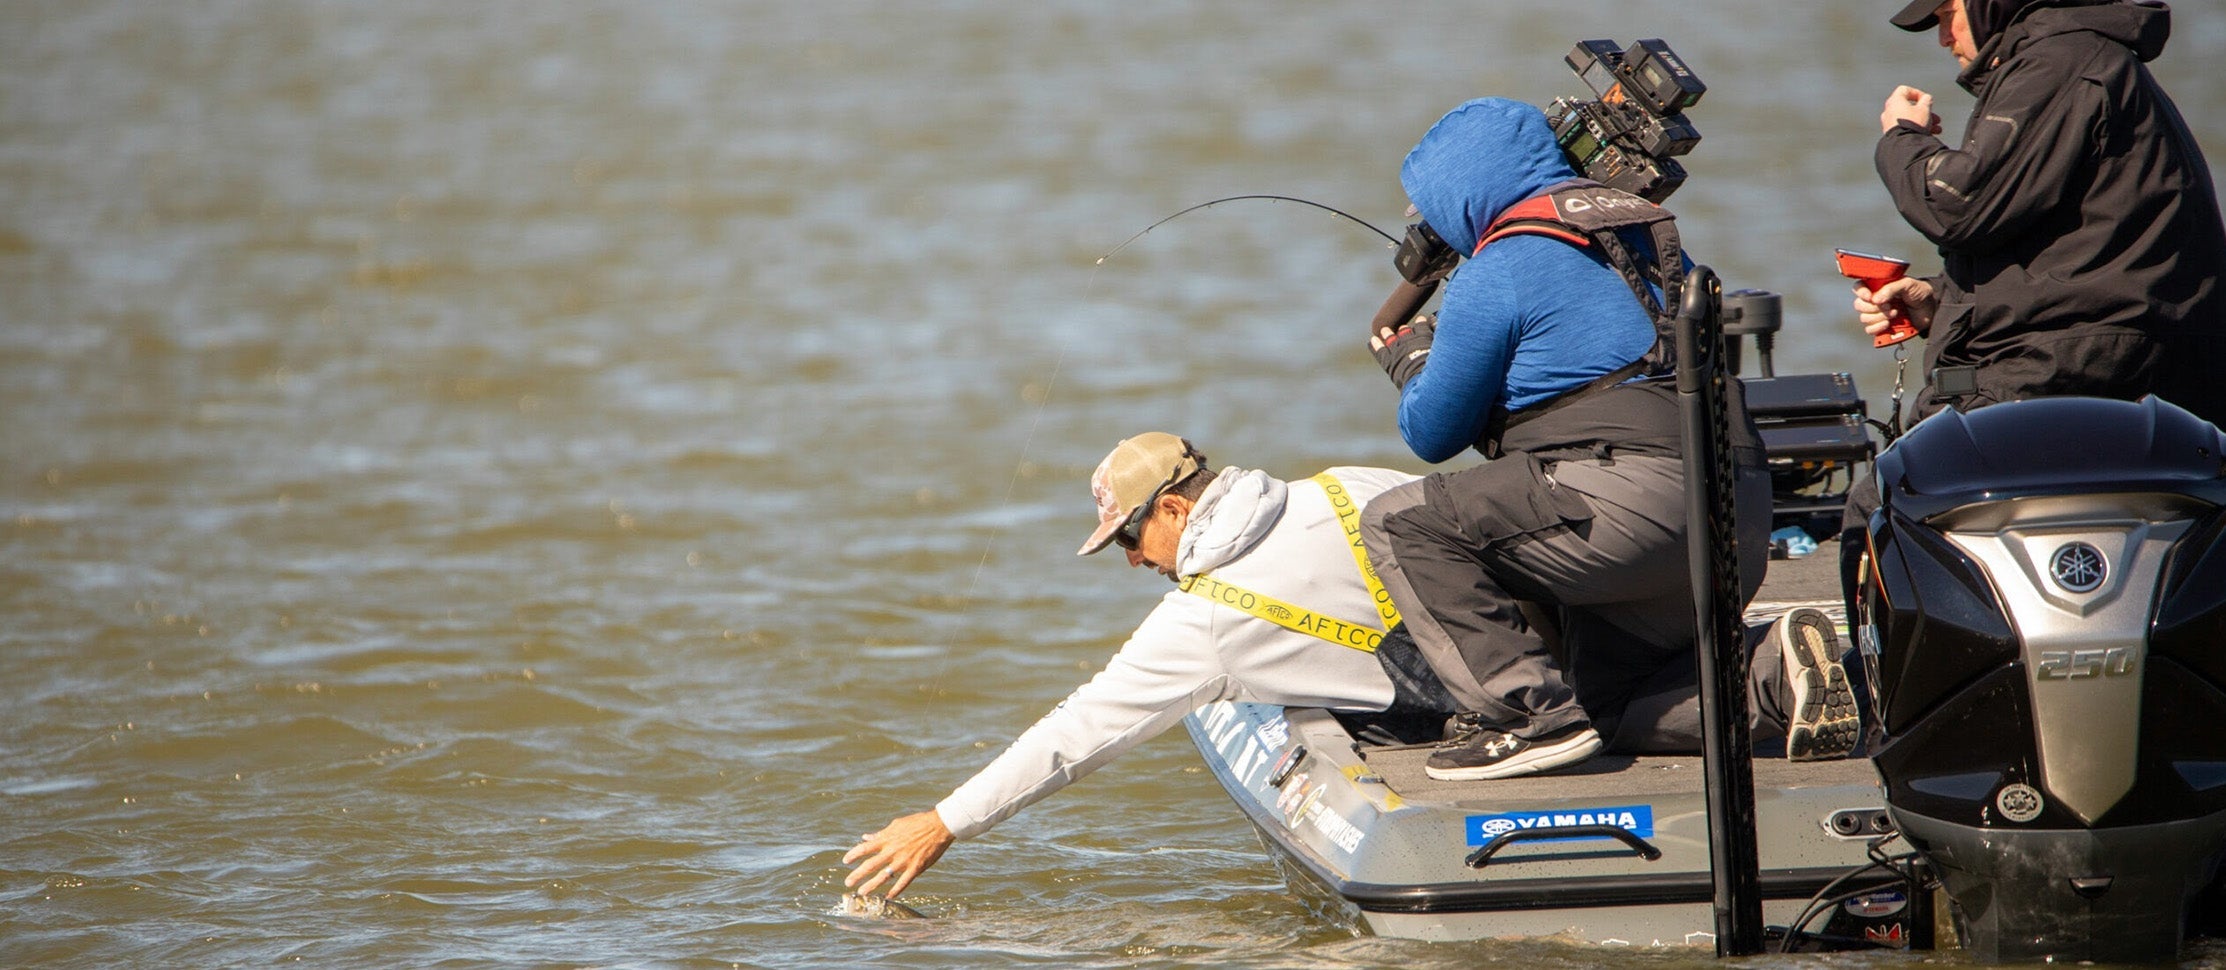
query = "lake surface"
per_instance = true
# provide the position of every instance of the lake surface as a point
(528, 483)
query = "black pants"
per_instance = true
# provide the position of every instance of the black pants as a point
(1599, 544)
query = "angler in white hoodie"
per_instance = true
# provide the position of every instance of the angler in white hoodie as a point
(1275, 603)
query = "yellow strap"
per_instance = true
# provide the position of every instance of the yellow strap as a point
(1348, 516)
(1284, 614)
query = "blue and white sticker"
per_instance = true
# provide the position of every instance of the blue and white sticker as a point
(1635, 819)
(1878, 905)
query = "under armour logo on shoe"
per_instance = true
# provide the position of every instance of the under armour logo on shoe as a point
(1501, 754)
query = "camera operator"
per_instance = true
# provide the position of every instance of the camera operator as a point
(2078, 229)
(1540, 357)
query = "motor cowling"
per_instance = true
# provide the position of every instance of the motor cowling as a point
(2044, 622)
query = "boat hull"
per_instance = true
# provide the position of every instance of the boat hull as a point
(1378, 841)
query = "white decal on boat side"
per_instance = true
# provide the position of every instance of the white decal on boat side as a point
(1224, 728)
(1217, 717)
(1252, 760)
(1274, 731)
(1337, 828)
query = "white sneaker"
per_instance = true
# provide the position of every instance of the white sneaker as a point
(1825, 722)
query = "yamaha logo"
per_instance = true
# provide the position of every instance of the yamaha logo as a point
(2078, 567)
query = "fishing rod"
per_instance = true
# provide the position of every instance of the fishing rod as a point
(1405, 301)
(1239, 198)
(1055, 367)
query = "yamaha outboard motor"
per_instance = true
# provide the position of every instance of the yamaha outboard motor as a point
(2044, 623)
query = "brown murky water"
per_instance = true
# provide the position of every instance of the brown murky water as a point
(527, 483)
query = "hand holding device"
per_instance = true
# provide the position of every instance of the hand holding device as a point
(1875, 272)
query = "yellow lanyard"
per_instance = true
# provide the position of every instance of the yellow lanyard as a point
(1283, 614)
(1348, 516)
(1303, 620)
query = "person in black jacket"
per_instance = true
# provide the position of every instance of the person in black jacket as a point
(2080, 241)
(2079, 232)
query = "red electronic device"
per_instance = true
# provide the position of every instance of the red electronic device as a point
(1875, 272)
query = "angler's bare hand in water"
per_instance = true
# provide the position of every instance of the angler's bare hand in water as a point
(901, 851)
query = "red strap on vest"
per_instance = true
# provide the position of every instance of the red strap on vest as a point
(1535, 215)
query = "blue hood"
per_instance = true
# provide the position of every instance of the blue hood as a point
(1478, 160)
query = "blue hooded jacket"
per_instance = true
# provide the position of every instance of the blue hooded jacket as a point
(1527, 319)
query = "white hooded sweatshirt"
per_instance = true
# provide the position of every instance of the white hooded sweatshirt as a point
(1279, 539)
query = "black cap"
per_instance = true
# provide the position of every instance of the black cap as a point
(1918, 15)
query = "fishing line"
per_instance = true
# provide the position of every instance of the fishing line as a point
(1090, 287)
(998, 530)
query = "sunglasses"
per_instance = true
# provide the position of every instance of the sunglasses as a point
(1131, 532)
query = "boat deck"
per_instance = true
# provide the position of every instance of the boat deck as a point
(1812, 580)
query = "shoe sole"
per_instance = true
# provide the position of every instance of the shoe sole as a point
(1530, 762)
(1826, 724)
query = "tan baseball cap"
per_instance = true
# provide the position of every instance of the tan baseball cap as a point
(1135, 473)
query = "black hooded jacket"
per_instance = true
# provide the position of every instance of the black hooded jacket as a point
(2078, 228)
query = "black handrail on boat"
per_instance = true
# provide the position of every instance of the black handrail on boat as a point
(1483, 857)
(1711, 528)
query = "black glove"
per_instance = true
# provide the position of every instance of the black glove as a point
(1407, 349)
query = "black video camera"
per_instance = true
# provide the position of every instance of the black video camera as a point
(1627, 137)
